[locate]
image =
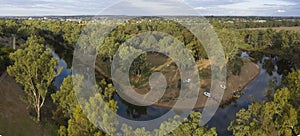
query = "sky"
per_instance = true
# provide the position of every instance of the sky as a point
(149, 7)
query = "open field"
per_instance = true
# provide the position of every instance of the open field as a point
(296, 28)
(14, 115)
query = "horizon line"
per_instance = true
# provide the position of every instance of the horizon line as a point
(77, 15)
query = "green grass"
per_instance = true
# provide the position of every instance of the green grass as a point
(25, 127)
(14, 115)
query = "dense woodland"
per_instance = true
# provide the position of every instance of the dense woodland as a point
(253, 22)
(33, 66)
(4, 59)
(279, 116)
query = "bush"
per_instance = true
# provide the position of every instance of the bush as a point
(236, 65)
(4, 59)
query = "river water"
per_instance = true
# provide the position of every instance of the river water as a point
(64, 73)
(271, 67)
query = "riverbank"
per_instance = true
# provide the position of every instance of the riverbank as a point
(294, 58)
(3, 75)
(14, 115)
(265, 51)
(249, 72)
(235, 84)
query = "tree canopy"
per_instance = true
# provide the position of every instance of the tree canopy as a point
(276, 117)
(34, 68)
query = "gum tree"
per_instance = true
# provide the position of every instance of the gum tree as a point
(34, 68)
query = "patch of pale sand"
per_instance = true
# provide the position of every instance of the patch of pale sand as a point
(249, 72)
(156, 59)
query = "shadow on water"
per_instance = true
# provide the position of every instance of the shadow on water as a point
(138, 113)
(64, 73)
(270, 67)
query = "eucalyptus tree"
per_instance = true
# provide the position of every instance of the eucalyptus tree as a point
(78, 121)
(279, 116)
(34, 68)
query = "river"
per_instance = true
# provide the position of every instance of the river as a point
(64, 73)
(270, 67)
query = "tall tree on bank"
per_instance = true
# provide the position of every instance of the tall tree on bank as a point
(34, 68)
(276, 117)
(231, 41)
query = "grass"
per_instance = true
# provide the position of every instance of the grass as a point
(14, 116)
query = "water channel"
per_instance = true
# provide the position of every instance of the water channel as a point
(271, 67)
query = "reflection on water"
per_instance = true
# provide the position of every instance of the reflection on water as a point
(138, 113)
(271, 67)
(64, 73)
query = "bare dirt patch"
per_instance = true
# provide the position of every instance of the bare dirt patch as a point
(234, 83)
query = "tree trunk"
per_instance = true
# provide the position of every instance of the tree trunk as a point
(38, 109)
(38, 112)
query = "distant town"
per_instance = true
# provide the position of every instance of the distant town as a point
(226, 19)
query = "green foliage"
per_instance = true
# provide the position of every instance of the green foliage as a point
(63, 131)
(231, 41)
(272, 89)
(293, 83)
(236, 65)
(78, 124)
(100, 112)
(260, 39)
(124, 32)
(9, 27)
(189, 127)
(268, 118)
(66, 97)
(33, 68)
(69, 31)
(58, 35)
(276, 117)
(251, 22)
(107, 90)
(4, 57)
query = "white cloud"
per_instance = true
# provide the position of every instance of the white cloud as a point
(200, 8)
(204, 7)
(281, 11)
(150, 8)
(248, 7)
